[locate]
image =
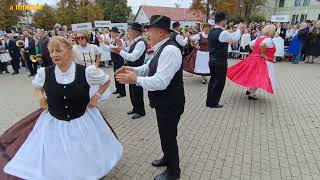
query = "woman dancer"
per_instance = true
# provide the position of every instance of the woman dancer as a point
(257, 70)
(70, 139)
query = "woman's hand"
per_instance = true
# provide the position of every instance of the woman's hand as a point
(93, 101)
(43, 103)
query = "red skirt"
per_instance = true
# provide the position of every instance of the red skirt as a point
(251, 72)
(12, 140)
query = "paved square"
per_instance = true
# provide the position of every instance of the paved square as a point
(276, 137)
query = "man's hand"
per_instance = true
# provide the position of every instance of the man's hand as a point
(105, 41)
(123, 70)
(127, 77)
(116, 50)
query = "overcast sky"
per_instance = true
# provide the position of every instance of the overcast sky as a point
(133, 3)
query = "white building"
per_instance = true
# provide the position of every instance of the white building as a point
(184, 16)
(297, 10)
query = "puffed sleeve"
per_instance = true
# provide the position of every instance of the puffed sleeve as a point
(39, 79)
(95, 76)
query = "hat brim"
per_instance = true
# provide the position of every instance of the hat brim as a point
(115, 31)
(157, 26)
(135, 29)
(219, 19)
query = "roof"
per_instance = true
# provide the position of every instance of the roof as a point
(175, 14)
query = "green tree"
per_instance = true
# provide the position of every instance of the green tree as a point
(88, 13)
(66, 10)
(115, 10)
(44, 19)
(9, 18)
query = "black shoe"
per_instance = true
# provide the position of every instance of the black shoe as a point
(14, 73)
(166, 176)
(130, 112)
(116, 92)
(204, 81)
(217, 106)
(31, 75)
(159, 163)
(252, 98)
(120, 96)
(1, 72)
(7, 72)
(137, 116)
(248, 93)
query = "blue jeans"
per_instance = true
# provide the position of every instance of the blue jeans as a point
(297, 58)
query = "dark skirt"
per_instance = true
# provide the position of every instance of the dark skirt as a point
(12, 139)
(189, 63)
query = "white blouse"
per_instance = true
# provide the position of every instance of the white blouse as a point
(267, 41)
(94, 76)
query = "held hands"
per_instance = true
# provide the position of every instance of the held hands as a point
(116, 50)
(123, 70)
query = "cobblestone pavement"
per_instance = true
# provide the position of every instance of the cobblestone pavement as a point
(276, 137)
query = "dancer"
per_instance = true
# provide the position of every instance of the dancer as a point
(218, 53)
(257, 70)
(197, 62)
(162, 77)
(70, 140)
(134, 58)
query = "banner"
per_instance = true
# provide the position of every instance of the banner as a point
(82, 26)
(123, 26)
(102, 24)
(280, 18)
(211, 21)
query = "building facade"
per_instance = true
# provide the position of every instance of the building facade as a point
(297, 10)
(184, 16)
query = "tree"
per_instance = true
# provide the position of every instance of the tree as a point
(230, 7)
(88, 13)
(44, 19)
(65, 13)
(115, 10)
(9, 18)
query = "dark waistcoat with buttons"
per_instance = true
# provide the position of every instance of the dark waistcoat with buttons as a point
(140, 61)
(67, 101)
(218, 51)
(174, 93)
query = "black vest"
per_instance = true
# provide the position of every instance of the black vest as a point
(118, 61)
(173, 38)
(140, 61)
(67, 101)
(218, 51)
(174, 93)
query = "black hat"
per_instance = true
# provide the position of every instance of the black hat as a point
(135, 26)
(160, 22)
(219, 17)
(175, 24)
(115, 29)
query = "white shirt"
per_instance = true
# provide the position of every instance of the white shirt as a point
(226, 36)
(197, 36)
(181, 40)
(245, 40)
(26, 42)
(87, 54)
(267, 41)
(94, 76)
(169, 63)
(137, 51)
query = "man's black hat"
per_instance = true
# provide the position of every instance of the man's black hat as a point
(220, 16)
(135, 26)
(115, 29)
(176, 24)
(160, 22)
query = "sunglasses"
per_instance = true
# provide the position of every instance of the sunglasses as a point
(80, 37)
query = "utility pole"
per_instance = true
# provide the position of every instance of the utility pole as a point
(208, 11)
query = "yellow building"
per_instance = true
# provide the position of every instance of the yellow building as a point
(297, 10)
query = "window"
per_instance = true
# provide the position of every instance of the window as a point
(306, 2)
(303, 18)
(281, 3)
(297, 2)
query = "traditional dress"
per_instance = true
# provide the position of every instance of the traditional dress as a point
(255, 71)
(105, 50)
(68, 142)
(197, 62)
(279, 44)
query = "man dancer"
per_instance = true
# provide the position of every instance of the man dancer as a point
(218, 54)
(118, 61)
(177, 37)
(135, 57)
(162, 77)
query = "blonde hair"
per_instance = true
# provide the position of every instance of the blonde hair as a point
(60, 42)
(205, 25)
(85, 34)
(269, 30)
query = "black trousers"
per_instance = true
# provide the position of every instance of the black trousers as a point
(216, 85)
(168, 118)
(3, 66)
(15, 62)
(136, 97)
(121, 88)
(31, 65)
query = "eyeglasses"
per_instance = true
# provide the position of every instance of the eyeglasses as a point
(80, 37)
